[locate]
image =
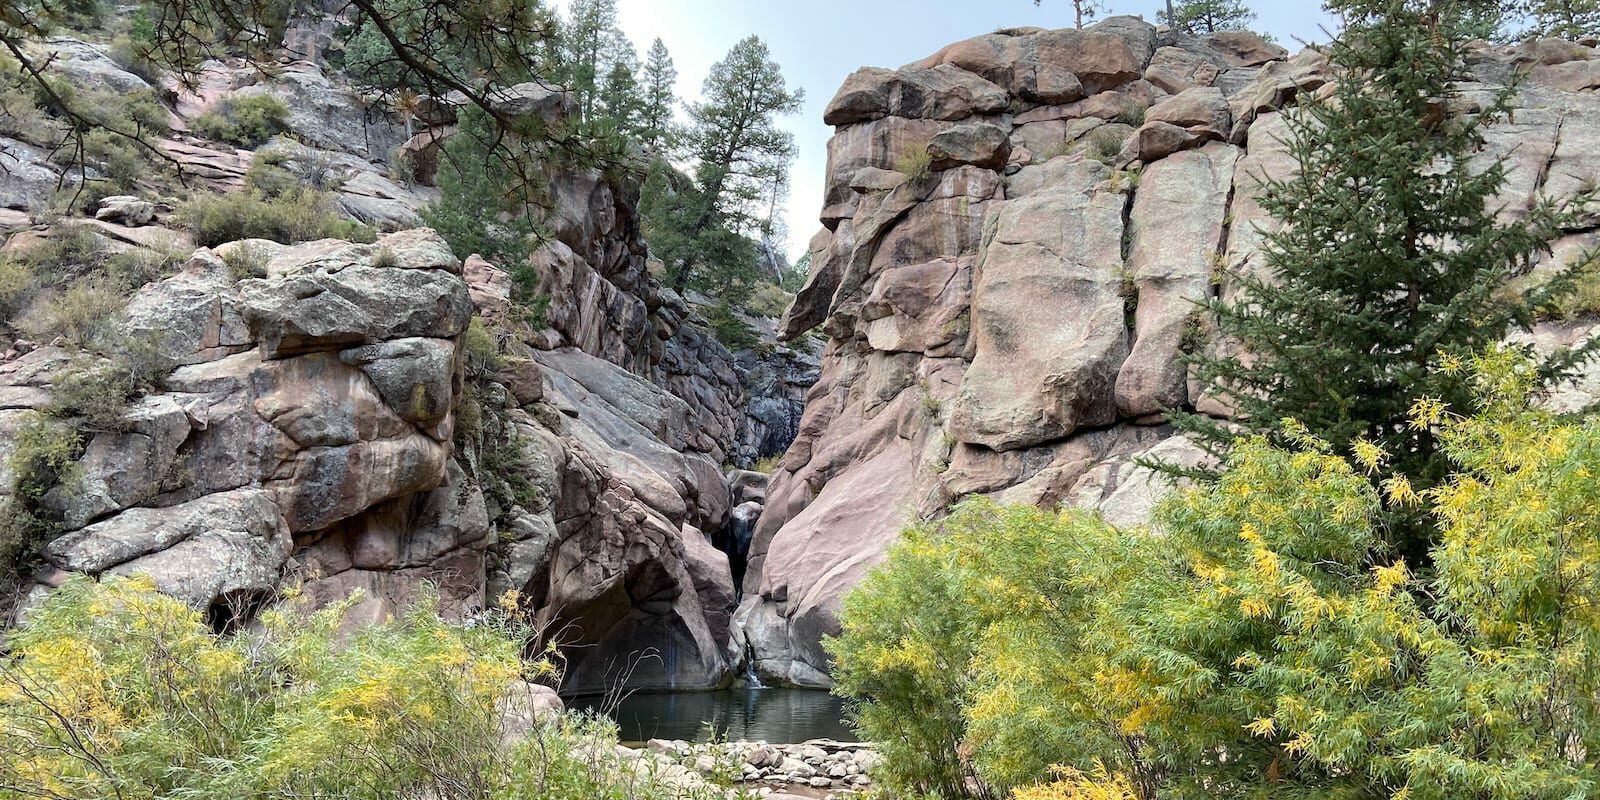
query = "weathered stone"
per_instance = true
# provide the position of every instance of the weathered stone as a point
(126, 210)
(1202, 111)
(1244, 49)
(200, 552)
(1176, 232)
(1157, 140)
(334, 306)
(86, 65)
(939, 92)
(1034, 378)
(978, 144)
(1175, 69)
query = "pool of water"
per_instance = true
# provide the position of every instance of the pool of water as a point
(780, 716)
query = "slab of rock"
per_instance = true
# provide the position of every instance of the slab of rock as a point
(87, 65)
(979, 144)
(199, 552)
(1178, 218)
(1203, 111)
(343, 304)
(126, 210)
(1175, 69)
(1244, 49)
(940, 92)
(1037, 377)
(1156, 140)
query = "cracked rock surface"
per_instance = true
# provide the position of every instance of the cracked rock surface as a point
(1013, 330)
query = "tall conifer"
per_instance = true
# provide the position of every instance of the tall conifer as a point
(1391, 256)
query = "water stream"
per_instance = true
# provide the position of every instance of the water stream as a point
(783, 716)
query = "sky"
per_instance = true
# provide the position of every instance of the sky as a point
(819, 42)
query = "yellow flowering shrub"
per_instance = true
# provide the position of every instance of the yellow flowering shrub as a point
(113, 690)
(1075, 784)
(1263, 639)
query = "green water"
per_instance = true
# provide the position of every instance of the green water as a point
(780, 716)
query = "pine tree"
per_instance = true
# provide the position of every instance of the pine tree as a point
(593, 44)
(481, 208)
(739, 153)
(1391, 256)
(1203, 17)
(1566, 19)
(660, 79)
(621, 102)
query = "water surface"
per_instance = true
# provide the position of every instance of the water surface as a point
(780, 716)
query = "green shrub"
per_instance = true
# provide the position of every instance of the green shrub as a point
(18, 280)
(43, 456)
(96, 389)
(244, 262)
(244, 120)
(112, 149)
(113, 690)
(1267, 643)
(84, 315)
(131, 269)
(70, 252)
(297, 216)
(915, 163)
(133, 54)
(482, 353)
(729, 328)
(1105, 146)
(1132, 115)
(769, 300)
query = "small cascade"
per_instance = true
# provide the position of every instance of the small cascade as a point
(751, 678)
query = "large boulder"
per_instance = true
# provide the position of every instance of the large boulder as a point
(202, 552)
(941, 92)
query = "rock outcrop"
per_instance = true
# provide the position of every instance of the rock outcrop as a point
(305, 430)
(1008, 321)
(319, 424)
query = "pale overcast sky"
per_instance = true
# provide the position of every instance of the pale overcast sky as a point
(819, 42)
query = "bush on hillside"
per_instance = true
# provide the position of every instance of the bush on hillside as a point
(245, 120)
(299, 215)
(1266, 643)
(83, 315)
(44, 456)
(114, 690)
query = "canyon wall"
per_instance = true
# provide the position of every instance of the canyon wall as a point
(324, 419)
(1015, 233)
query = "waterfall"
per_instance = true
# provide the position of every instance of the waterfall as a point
(752, 680)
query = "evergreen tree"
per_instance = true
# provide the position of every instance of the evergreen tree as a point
(481, 208)
(593, 44)
(660, 99)
(1202, 17)
(739, 153)
(621, 102)
(1391, 257)
(1566, 19)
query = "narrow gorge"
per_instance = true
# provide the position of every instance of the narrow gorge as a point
(1015, 233)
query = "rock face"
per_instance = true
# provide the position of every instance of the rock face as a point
(279, 446)
(319, 426)
(1010, 325)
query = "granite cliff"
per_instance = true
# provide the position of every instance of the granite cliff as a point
(1015, 232)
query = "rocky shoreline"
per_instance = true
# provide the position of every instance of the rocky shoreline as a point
(819, 767)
